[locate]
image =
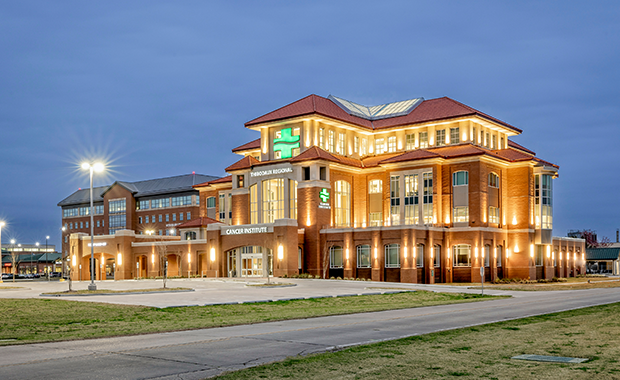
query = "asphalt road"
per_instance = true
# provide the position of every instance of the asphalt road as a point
(204, 353)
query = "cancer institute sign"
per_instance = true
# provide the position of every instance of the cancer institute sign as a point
(246, 230)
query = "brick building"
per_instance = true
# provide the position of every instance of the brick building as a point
(414, 191)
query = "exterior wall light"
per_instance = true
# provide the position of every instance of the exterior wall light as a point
(73, 261)
(548, 251)
(280, 252)
(375, 253)
(447, 219)
(212, 254)
(152, 258)
(514, 220)
(189, 257)
(405, 252)
(532, 250)
(119, 258)
(516, 250)
(347, 253)
(476, 252)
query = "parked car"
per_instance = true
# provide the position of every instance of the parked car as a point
(55, 274)
(6, 276)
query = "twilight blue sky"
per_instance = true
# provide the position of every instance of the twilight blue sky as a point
(162, 88)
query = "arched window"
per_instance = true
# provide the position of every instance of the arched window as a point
(493, 180)
(190, 235)
(335, 257)
(363, 256)
(419, 258)
(461, 255)
(392, 256)
(342, 204)
(460, 178)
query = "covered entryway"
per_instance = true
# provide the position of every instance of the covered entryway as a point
(255, 261)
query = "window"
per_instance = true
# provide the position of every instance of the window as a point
(493, 180)
(330, 141)
(486, 140)
(487, 255)
(160, 218)
(363, 256)
(189, 215)
(419, 257)
(493, 215)
(499, 254)
(197, 200)
(375, 186)
(392, 144)
(539, 257)
(441, 137)
(299, 259)
(427, 207)
(143, 205)
(392, 256)
(229, 205)
(306, 173)
(335, 257)
(167, 217)
(410, 141)
(460, 178)
(437, 256)
(71, 225)
(254, 204)
(502, 144)
(455, 138)
(292, 188)
(379, 146)
(342, 204)
(323, 173)
(364, 149)
(461, 214)
(341, 144)
(160, 233)
(461, 255)
(211, 202)
(117, 218)
(494, 142)
(481, 142)
(69, 212)
(185, 200)
(321, 138)
(423, 140)
(395, 200)
(273, 199)
(222, 206)
(474, 135)
(412, 208)
(81, 224)
(99, 210)
(181, 216)
(375, 219)
(86, 224)
(356, 144)
(84, 211)
(174, 217)
(190, 235)
(146, 219)
(543, 201)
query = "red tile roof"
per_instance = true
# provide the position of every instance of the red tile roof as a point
(219, 180)
(316, 153)
(198, 222)
(244, 163)
(248, 146)
(427, 111)
(513, 144)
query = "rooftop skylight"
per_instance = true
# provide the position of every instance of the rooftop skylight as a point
(382, 111)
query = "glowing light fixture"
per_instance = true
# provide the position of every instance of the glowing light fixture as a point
(347, 253)
(405, 252)
(189, 257)
(375, 253)
(532, 250)
(514, 221)
(476, 252)
(280, 252)
(119, 258)
(516, 250)
(212, 254)
(548, 251)
(152, 258)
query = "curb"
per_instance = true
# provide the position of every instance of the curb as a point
(115, 294)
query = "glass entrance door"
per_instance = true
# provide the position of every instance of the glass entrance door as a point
(251, 265)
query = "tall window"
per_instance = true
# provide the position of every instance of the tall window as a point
(392, 256)
(410, 141)
(211, 202)
(364, 148)
(375, 190)
(440, 137)
(273, 199)
(341, 144)
(493, 180)
(363, 256)
(423, 139)
(254, 204)
(330, 141)
(356, 144)
(455, 137)
(539, 256)
(335, 257)
(493, 215)
(117, 215)
(379, 146)
(494, 142)
(427, 207)
(460, 211)
(229, 206)
(322, 138)
(461, 255)
(392, 144)
(487, 141)
(460, 178)
(292, 189)
(222, 205)
(487, 255)
(419, 257)
(499, 255)
(543, 199)
(342, 204)
(143, 205)
(412, 208)
(185, 200)
(437, 256)
(460, 214)
(395, 200)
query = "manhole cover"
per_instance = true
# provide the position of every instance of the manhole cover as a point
(553, 359)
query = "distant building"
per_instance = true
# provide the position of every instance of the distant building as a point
(30, 258)
(603, 260)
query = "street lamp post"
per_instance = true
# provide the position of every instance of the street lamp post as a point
(1, 225)
(92, 167)
(12, 253)
(46, 267)
(37, 244)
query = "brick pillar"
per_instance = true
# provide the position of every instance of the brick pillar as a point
(312, 219)
(240, 207)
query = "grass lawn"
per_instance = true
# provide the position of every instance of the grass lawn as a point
(472, 353)
(44, 320)
(571, 284)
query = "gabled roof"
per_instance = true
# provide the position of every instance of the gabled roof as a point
(422, 112)
(198, 222)
(516, 146)
(316, 153)
(149, 187)
(602, 253)
(252, 145)
(244, 163)
(228, 178)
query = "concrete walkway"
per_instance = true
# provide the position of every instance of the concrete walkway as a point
(199, 354)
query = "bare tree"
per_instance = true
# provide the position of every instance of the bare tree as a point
(162, 252)
(591, 238)
(326, 251)
(15, 260)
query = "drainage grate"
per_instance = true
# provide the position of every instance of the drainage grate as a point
(553, 359)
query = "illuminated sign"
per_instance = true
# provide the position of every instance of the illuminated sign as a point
(98, 244)
(285, 143)
(245, 230)
(324, 195)
(261, 173)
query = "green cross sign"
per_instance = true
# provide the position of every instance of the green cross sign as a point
(286, 143)
(324, 195)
